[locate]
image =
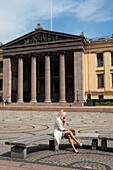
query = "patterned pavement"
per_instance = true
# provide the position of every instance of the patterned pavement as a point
(14, 124)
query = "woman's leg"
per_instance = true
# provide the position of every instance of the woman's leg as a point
(72, 136)
(71, 142)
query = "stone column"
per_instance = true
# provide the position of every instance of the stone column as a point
(33, 78)
(7, 78)
(47, 78)
(20, 78)
(62, 77)
(79, 76)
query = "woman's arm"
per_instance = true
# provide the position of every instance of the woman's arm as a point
(59, 124)
(64, 120)
(66, 129)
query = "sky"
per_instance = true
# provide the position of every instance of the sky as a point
(19, 17)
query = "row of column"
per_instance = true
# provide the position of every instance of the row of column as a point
(47, 78)
(78, 77)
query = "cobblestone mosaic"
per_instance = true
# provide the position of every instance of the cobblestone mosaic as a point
(14, 124)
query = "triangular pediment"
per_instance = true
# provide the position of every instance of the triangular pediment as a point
(41, 36)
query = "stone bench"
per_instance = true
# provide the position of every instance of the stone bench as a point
(19, 150)
(104, 138)
(95, 137)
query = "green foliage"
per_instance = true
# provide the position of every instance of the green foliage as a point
(104, 102)
(97, 103)
(18, 159)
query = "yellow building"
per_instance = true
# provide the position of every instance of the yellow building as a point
(98, 65)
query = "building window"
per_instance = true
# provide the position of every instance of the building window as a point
(1, 67)
(99, 59)
(0, 84)
(112, 58)
(100, 97)
(100, 80)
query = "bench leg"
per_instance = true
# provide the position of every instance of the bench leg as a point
(104, 144)
(94, 144)
(18, 152)
(53, 145)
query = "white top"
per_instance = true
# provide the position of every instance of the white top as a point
(58, 129)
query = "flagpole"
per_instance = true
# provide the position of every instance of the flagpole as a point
(51, 15)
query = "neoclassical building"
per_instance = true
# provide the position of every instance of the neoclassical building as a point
(98, 67)
(47, 67)
(44, 67)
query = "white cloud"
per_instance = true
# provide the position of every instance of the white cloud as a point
(88, 7)
(18, 16)
(94, 10)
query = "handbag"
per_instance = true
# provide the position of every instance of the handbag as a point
(73, 131)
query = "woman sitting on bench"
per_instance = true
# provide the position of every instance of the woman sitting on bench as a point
(60, 131)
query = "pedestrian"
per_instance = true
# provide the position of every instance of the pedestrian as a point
(6, 101)
(60, 131)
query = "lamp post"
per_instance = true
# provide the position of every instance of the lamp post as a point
(77, 96)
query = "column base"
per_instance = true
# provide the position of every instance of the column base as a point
(62, 101)
(20, 101)
(47, 101)
(33, 101)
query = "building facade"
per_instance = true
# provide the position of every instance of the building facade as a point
(98, 63)
(50, 67)
(44, 67)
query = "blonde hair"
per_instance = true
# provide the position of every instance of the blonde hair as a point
(61, 114)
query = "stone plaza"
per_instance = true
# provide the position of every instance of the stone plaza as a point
(16, 124)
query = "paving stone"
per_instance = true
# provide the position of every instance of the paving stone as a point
(16, 124)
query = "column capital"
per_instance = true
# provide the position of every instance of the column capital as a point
(106, 51)
(7, 56)
(33, 55)
(63, 52)
(20, 56)
(79, 50)
(48, 53)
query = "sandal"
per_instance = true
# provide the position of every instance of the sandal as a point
(75, 151)
(81, 144)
